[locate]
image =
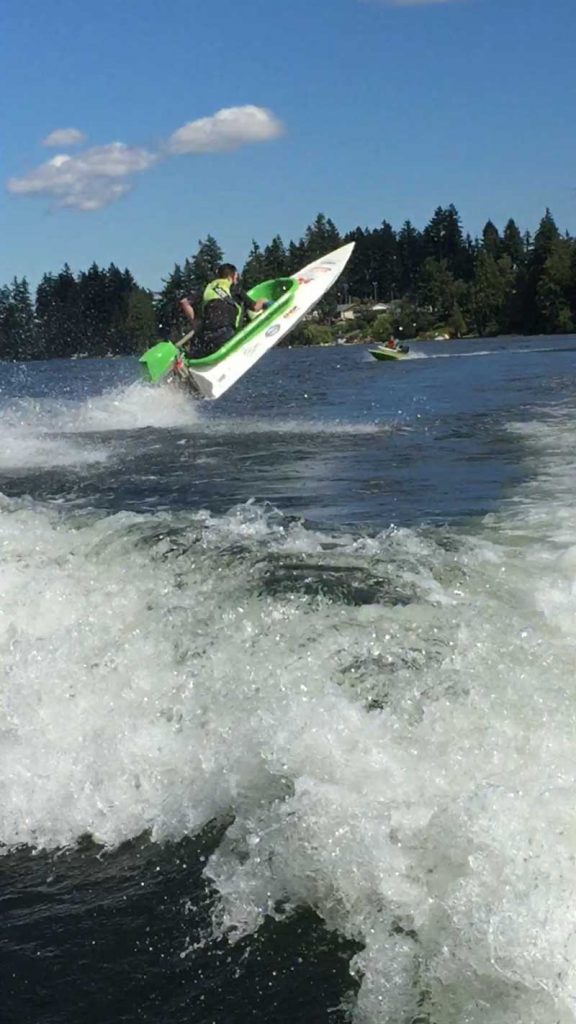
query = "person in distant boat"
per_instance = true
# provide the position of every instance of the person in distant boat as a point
(218, 310)
(396, 346)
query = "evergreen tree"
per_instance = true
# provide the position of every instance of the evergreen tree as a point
(140, 320)
(192, 280)
(436, 288)
(409, 250)
(275, 260)
(545, 239)
(354, 284)
(468, 258)
(254, 269)
(370, 285)
(514, 319)
(17, 326)
(58, 314)
(46, 311)
(7, 342)
(457, 324)
(572, 288)
(119, 287)
(296, 257)
(491, 241)
(187, 282)
(169, 317)
(492, 283)
(385, 262)
(320, 238)
(204, 265)
(443, 240)
(554, 290)
(95, 312)
(513, 245)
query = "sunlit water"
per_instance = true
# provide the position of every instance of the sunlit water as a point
(288, 706)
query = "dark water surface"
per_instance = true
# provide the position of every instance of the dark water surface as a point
(287, 690)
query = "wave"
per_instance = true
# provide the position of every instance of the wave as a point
(27, 447)
(43, 433)
(389, 718)
(125, 407)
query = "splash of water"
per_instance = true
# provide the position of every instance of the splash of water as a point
(402, 761)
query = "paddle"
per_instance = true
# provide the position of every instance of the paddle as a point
(179, 344)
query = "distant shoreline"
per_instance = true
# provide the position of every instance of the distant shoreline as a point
(81, 356)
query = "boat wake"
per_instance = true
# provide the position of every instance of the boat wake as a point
(387, 752)
(247, 425)
(26, 446)
(48, 432)
(504, 350)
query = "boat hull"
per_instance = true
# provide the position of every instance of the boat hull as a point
(387, 355)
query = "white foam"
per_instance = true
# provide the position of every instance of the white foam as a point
(38, 432)
(152, 681)
(44, 432)
(298, 425)
(126, 407)
(136, 406)
(24, 447)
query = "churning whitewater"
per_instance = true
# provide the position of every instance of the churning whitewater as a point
(379, 708)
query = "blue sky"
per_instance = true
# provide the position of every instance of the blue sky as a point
(362, 109)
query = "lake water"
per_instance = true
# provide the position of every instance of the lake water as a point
(288, 681)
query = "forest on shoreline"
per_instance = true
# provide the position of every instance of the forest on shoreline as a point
(435, 281)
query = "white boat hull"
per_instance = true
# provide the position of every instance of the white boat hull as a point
(314, 281)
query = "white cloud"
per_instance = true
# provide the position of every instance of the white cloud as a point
(64, 137)
(100, 175)
(228, 129)
(88, 181)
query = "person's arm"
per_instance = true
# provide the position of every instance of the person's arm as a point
(188, 309)
(254, 305)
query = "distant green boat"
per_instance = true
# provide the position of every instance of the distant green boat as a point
(387, 353)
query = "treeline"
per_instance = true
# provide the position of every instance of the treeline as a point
(97, 312)
(435, 279)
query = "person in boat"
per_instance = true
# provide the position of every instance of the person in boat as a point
(396, 346)
(219, 310)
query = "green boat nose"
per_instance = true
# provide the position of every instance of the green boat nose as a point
(159, 360)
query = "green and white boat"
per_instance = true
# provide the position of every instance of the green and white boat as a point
(290, 297)
(386, 353)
